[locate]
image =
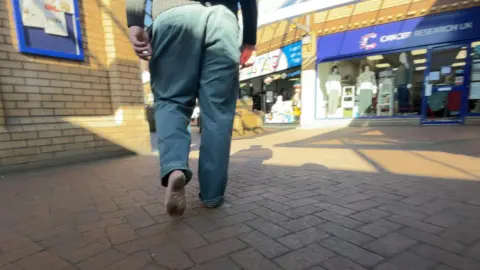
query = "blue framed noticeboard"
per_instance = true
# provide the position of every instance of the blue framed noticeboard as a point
(49, 28)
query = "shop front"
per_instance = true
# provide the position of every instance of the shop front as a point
(426, 69)
(273, 85)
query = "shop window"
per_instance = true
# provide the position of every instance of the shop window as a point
(373, 86)
(474, 94)
(282, 95)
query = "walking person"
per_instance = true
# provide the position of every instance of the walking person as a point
(194, 52)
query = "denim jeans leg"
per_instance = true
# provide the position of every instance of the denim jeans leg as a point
(175, 67)
(218, 93)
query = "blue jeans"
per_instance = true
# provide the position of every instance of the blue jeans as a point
(196, 55)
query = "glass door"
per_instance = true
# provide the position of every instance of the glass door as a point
(447, 77)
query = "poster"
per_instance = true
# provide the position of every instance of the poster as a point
(474, 91)
(49, 28)
(65, 6)
(33, 14)
(428, 90)
(55, 23)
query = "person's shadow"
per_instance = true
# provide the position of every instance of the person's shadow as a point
(255, 154)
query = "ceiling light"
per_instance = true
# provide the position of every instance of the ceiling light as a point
(384, 65)
(420, 68)
(459, 64)
(419, 52)
(375, 57)
(420, 61)
(461, 54)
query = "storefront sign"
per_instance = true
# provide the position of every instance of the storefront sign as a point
(281, 59)
(49, 28)
(270, 11)
(423, 31)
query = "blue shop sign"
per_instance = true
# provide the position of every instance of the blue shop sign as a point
(423, 31)
(281, 59)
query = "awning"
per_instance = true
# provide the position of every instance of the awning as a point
(270, 11)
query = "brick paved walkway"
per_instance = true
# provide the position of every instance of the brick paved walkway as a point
(406, 198)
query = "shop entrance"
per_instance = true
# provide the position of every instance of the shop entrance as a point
(446, 83)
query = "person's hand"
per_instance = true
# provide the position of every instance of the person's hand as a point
(140, 42)
(246, 55)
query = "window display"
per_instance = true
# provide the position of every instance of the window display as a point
(372, 86)
(474, 95)
(283, 98)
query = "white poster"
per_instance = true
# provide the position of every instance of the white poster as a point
(270, 11)
(32, 13)
(55, 23)
(65, 6)
(475, 90)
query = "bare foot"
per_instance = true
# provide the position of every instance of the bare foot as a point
(175, 202)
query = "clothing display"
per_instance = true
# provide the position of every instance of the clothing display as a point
(367, 87)
(385, 98)
(334, 89)
(403, 99)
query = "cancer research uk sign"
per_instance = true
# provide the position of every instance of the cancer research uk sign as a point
(417, 32)
(281, 59)
(270, 11)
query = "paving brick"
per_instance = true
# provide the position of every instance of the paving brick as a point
(398, 210)
(140, 219)
(268, 247)
(219, 264)
(353, 252)
(415, 224)
(227, 232)
(390, 245)
(101, 260)
(434, 240)
(303, 238)
(269, 229)
(240, 208)
(270, 215)
(171, 257)
(235, 219)
(345, 233)
(362, 205)
(250, 259)
(304, 258)
(300, 202)
(340, 263)
(465, 232)
(301, 211)
(379, 228)
(370, 215)
(474, 252)
(335, 208)
(446, 257)
(43, 260)
(215, 250)
(407, 260)
(301, 223)
(444, 219)
(202, 224)
(121, 233)
(127, 263)
(339, 219)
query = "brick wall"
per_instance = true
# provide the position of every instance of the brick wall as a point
(55, 111)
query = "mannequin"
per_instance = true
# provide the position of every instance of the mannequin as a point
(296, 101)
(385, 96)
(366, 88)
(403, 83)
(334, 89)
(278, 107)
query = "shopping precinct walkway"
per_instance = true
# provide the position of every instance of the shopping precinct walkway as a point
(347, 198)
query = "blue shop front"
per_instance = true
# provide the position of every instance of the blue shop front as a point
(426, 69)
